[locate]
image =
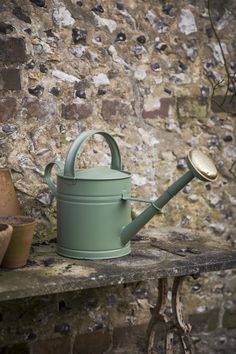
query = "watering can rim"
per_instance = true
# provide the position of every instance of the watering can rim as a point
(98, 173)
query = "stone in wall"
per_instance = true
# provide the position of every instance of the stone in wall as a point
(43, 110)
(222, 103)
(12, 51)
(114, 110)
(191, 107)
(6, 28)
(61, 16)
(187, 23)
(10, 79)
(8, 109)
(158, 108)
(76, 111)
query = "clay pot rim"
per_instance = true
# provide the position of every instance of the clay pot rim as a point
(18, 220)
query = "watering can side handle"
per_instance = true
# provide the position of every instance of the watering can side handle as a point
(69, 169)
(47, 175)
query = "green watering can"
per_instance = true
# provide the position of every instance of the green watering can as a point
(93, 205)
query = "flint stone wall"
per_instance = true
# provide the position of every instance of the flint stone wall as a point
(152, 73)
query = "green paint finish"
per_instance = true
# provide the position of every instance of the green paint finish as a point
(93, 205)
(90, 210)
(100, 173)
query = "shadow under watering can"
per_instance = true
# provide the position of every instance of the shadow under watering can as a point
(94, 205)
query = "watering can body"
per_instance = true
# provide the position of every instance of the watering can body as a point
(90, 210)
(90, 216)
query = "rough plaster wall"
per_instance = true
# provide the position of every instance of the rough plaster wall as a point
(142, 70)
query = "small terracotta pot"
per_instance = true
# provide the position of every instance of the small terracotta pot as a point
(19, 247)
(9, 204)
(5, 236)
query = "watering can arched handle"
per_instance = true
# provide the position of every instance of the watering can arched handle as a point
(69, 169)
(47, 175)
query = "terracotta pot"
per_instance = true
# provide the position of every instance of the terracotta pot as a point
(8, 202)
(19, 247)
(5, 236)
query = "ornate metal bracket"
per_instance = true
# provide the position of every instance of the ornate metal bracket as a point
(168, 332)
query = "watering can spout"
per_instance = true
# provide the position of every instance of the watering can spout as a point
(200, 166)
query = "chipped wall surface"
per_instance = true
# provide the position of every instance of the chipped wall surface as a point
(152, 73)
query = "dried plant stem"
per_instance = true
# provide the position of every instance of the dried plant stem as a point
(229, 79)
